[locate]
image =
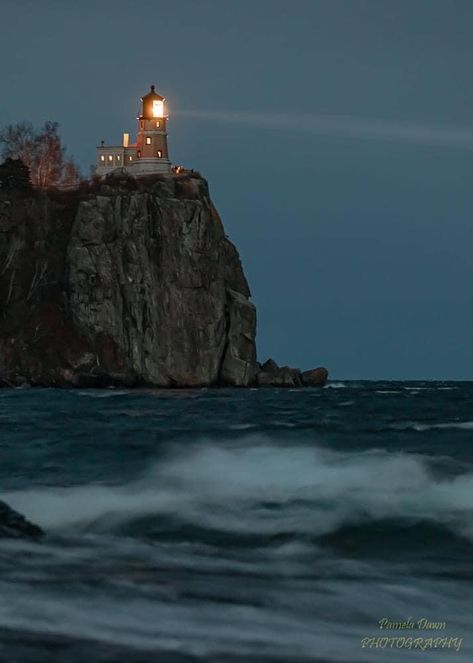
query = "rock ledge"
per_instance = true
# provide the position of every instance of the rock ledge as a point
(15, 526)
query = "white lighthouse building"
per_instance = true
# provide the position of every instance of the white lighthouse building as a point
(149, 154)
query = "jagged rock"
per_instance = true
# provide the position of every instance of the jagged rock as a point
(15, 526)
(316, 377)
(272, 375)
(239, 362)
(269, 366)
(126, 282)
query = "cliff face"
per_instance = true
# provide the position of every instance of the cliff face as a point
(133, 282)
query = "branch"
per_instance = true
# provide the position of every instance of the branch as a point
(38, 279)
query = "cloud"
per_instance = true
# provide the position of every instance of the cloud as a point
(343, 126)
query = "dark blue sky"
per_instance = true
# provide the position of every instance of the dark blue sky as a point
(351, 206)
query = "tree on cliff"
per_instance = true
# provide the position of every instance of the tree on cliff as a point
(42, 152)
(14, 174)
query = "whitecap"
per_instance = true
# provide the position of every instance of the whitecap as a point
(418, 388)
(101, 393)
(260, 488)
(460, 425)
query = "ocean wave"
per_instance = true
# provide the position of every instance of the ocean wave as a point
(102, 393)
(461, 425)
(421, 427)
(431, 388)
(260, 489)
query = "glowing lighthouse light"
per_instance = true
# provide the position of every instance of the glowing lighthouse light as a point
(158, 108)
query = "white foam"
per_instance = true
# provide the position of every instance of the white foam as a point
(459, 425)
(101, 393)
(264, 489)
(303, 606)
(418, 388)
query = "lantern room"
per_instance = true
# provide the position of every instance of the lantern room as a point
(152, 106)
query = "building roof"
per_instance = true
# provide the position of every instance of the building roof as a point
(152, 95)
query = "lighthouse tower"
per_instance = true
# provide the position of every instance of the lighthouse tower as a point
(152, 143)
(149, 154)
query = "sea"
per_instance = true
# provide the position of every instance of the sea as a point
(228, 525)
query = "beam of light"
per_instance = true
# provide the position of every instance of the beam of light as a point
(342, 126)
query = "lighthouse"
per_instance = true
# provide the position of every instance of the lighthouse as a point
(149, 154)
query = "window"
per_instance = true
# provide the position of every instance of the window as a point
(102, 158)
(142, 124)
(158, 124)
(110, 158)
(138, 154)
(118, 158)
(148, 140)
(158, 108)
(159, 154)
(130, 158)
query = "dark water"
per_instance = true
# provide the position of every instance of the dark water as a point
(237, 525)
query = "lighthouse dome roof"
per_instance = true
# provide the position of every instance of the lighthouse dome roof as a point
(152, 94)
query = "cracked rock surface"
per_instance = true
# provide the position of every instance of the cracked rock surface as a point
(125, 282)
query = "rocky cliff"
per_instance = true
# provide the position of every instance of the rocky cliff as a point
(122, 282)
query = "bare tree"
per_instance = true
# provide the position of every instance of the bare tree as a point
(18, 141)
(43, 153)
(70, 174)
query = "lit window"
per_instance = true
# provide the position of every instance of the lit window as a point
(158, 108)
(118, 157)
(102, 158)
(160, 154)
(110, 157)
(130, 158)
(158, 124)
(148, 140)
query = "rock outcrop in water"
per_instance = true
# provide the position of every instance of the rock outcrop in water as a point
(15, 526)
(125, 282)
(272, 375)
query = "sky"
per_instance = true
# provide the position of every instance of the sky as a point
(337, 139)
